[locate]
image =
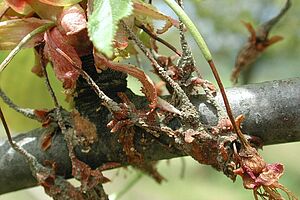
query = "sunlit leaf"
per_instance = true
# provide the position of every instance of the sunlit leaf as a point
(60, 2)
(3, 8)
(20, 6)
(12, 32)
(103, 21)
(142, 9)
(45, 11)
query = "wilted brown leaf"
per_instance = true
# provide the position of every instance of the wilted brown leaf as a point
(63, 69)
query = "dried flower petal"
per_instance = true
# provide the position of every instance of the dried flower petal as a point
(72, 19)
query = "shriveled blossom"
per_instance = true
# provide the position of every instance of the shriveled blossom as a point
(259, 176)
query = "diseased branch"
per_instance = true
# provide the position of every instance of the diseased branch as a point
(272, 112)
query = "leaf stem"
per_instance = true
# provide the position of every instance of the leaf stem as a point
(24, 41)
(227, 105)
(170, 46)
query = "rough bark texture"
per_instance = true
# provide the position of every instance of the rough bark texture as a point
(272, 113)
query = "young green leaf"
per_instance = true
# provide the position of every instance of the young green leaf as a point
(103, 21)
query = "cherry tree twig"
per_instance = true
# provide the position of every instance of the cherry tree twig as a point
(272, 112)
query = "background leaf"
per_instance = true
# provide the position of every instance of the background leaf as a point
(103, 21)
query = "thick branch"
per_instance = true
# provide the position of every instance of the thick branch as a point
(272, 113)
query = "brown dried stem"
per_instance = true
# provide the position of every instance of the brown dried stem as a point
(227, 105)
(170, 46)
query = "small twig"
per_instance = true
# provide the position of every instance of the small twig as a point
(34, 164)
(189, 109)
(79, 168)
(188, 59)
(266, 27)
(184, 45)
(186, 63)
(27, 112)
(50, 89)
(207, 55)
(170, 46)
(257, 43)
(192, 28)
(6, 128)
(24, 41)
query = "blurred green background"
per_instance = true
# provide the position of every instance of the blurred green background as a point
(220, 23)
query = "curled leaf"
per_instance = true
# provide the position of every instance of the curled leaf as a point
(20, 6)
(44, 11)
(142, 9)
(60, 2)
(13, 31)
(63, 69)
(4, 7)
(148, 89)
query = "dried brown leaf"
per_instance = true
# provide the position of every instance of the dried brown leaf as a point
(148, 89)
(63, 69)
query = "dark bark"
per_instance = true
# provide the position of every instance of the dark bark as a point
(272, 113)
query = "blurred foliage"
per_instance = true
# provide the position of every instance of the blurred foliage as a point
(220, 23)
(26, 90)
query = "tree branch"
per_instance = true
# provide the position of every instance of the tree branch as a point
(272, 112)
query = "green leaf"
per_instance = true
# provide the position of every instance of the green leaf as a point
(103, 22)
